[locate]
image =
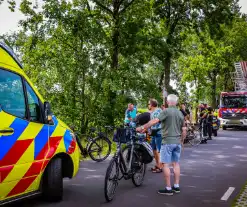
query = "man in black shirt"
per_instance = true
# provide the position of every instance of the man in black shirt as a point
(203, 121)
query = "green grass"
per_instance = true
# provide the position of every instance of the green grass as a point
(142, 110)
(235, 201)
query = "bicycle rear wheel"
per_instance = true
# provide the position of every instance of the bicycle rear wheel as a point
(197, 138)
(99, 149)
(139, 169)
(111, 180)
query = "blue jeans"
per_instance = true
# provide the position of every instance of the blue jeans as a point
(170, 153)
(156, 142)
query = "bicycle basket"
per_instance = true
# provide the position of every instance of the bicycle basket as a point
(122, 135)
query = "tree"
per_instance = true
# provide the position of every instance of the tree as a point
(179, 17)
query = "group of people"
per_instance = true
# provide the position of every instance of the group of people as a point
(206, 115)
(167, 127)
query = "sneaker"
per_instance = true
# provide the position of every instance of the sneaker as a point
(175, 190)
(165, 192)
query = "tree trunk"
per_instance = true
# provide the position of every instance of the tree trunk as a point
(167, 72)
(84, 122)
(83, 115)
(166, 75)
(114, 63)
(225, 81)
(213, 100)
(167, 65)
(74, 99)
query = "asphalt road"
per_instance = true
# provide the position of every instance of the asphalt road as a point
(207, 171)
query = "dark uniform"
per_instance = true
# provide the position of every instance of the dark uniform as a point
(209, 120)
(203, 122)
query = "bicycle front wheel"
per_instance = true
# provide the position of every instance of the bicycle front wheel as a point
(111, 180)
(197, 138)
(99, 149)
(139, 169)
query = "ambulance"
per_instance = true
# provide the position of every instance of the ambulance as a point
(37, 150)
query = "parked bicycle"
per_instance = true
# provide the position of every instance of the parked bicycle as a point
(98, 148)
(129, 162)
(194, 136)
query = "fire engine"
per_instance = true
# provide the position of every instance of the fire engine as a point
(233, 105)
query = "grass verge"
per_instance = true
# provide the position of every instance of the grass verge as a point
(236, 203)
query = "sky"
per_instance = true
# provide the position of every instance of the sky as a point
(9, 20)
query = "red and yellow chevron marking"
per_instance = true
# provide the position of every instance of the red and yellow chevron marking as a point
(34, 169)
(21, 186)
(20, 172)
(4, 172)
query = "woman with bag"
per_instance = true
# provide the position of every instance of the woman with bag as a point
(156, 137)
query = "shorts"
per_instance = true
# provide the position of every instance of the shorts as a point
(170, 153)
(156, 142)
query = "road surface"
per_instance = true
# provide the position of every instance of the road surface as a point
(211, 175)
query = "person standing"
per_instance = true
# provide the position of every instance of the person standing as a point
(210, 116)
(173, 135)
(185, 112)
(156, 137)
(130, 113)
(203, 122)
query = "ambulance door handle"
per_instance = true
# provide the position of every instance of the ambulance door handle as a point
(7, 131)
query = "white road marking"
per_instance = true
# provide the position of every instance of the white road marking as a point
(86, 169)
(227, 194)
(237, 147)
(244, 155)
(77, 185)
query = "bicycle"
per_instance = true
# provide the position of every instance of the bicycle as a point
(193, 136)
(133, 166)
(201, 131)
(95, 145)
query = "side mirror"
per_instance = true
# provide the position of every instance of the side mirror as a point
(48, 113)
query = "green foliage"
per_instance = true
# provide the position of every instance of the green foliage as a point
(91, 58)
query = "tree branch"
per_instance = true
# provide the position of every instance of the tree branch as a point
(98, 23)
(168, 17)
(65, 42)
(121, 2)
(126, 7)
(103, 7)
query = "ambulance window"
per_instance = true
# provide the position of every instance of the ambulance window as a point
(12, 99)
(33, 104)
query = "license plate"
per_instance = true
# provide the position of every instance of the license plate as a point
(214, 124)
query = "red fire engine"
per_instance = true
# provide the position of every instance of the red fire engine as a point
(233, 105)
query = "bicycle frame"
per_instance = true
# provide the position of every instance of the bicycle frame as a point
(126, 170)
